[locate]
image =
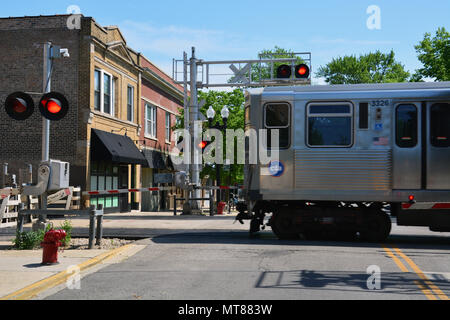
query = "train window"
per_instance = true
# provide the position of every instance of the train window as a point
(330, 125)
(364, 115)
(277, 117)
(440, 125)
(321, 109)
(406, 131)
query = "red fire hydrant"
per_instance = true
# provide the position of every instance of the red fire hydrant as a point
(220, 207)
(52, 241)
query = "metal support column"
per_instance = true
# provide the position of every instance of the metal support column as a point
(194, 131)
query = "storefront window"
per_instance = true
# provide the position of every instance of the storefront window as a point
(104, 176)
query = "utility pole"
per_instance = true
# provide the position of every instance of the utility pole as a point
(51, 52)
(41, 223)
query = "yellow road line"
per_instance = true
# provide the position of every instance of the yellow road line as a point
(422, 276)
(402, 267)
(33, 290)
(425, 290)
(396, 260)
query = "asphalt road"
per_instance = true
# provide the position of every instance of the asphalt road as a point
(227, 265)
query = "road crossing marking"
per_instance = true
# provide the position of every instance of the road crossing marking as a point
(422, 276)
(428, 288)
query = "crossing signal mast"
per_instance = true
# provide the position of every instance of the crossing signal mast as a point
(53, 106)
(271, 69)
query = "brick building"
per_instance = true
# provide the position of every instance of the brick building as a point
(105, 130)
(160, 103)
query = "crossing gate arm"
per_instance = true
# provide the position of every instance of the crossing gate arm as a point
(121, 191)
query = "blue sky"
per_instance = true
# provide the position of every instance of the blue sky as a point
(222, 30)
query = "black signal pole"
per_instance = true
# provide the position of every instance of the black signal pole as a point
(225, 114)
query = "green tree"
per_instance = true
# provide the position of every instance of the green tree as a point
(434, 53)
(376, 67)
(235, 102)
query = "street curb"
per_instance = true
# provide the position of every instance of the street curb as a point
(35, 289)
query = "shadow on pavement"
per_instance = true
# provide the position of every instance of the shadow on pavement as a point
(267, 238)
(394, 282)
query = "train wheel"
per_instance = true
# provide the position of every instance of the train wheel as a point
(283, 225)
(377, 227)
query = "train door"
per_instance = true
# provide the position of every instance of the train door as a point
(278, 174)
(421, 151)
(438, 146)
(407, 150)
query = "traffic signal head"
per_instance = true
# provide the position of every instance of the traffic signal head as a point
(302, 71)
(53, 106)
(284, 72)
(19, 106)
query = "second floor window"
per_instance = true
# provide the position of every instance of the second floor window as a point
(130, 104)
(97, 90)
(168, 124)
(107, 93)
(104, 92)
(150, 120)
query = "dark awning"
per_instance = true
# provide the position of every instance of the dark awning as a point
(155, 159)
(110, 146)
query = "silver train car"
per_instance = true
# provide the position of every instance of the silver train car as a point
(350, 157)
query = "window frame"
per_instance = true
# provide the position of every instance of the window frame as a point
(112, 80)
(433, 141)
(350, 115)
(168, 127)
(397, 107)
(265, 114)
(153, 122)
(130, 103)
(268, 128)
(99, 91)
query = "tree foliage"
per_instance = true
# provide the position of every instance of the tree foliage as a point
(434, 53)
(235, 102)
(376, 67)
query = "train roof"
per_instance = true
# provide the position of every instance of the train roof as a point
(394, 90)
(364, 87)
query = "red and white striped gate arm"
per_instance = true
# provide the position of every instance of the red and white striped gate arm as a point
(222, 188)
(120, 191)
(425, 206)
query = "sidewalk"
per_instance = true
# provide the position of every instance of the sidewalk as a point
(22, 269)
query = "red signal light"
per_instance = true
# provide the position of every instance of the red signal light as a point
(19, 106)
(411, 198)
(53, 106)
(202, 145)
(284, 72)
(302, 71)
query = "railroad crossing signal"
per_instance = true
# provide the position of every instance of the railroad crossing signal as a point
(284, 72)
(20, 106)
(240, 75)
(53, 106)
(301, 71)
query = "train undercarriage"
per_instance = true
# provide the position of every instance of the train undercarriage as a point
(321, 220)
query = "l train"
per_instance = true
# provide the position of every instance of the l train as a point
(350, 156)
